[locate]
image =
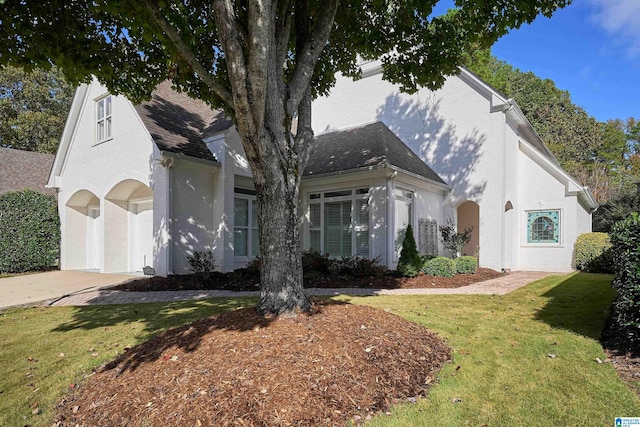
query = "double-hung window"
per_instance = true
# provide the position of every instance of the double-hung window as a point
(103, 119)
(246, 242)
(339, 222)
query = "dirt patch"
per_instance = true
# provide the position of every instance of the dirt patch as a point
(627, 366)
(341, 362)
(248, 281)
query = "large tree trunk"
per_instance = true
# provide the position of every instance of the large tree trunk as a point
(277, 189)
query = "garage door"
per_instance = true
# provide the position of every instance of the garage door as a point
(142, 235)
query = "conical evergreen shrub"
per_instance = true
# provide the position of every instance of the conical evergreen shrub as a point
(410, 263)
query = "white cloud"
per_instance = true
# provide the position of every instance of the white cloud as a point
(621, 20)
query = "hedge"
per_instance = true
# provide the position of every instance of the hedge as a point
(440, 266)
(29, 231)
(593, 253)
(624, 322)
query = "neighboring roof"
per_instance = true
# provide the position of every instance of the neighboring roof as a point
(24, 169)
(179, 123)
(368, 146)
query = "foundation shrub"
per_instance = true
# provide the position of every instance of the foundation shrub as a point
(466, 265)
(440, 266)
(410, 261)
(593, 253)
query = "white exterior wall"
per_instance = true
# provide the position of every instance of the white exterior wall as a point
(453, 130)
(100, 167)
(541, 191)
(193, 225)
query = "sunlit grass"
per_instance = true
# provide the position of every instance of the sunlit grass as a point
(501, 371)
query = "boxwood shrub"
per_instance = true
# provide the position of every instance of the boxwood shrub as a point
(440, 266)
(466, 265)
(29, 231)
(624, 322)
(593, 253)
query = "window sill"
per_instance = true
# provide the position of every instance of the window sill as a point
(542, 245)
(102, 142)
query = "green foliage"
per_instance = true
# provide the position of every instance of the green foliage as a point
(440, 266)
(466, 265)
(593, 253)
(454, 240)
(33, 108)
(410, 262)
(29, 231)
(624, 321)
(201, 262)
(616, 209)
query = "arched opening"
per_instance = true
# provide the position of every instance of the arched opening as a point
(128, 225)
(82, 236)
(469, 216)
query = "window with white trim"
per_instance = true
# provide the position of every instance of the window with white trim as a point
(339, 222)
(103, 119)
(246, 242)
(543, 226)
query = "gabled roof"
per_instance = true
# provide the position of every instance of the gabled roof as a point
(368, 146)
(179, 124)
(24, 170)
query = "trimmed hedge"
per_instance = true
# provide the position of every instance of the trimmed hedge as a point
(466, 265)
(440, 266)
(410, 261)
(593, 253)
(29, 231)
(624, 321)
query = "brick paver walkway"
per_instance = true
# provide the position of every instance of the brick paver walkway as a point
(499, 286)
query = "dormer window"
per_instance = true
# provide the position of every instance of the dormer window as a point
(103, 129)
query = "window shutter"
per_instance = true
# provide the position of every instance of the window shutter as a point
(428, 236)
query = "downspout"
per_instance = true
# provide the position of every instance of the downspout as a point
(390, 240)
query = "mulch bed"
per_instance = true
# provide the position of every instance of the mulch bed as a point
(244, 281)
(338, 364)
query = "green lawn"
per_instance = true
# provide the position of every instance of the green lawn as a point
(501, 370)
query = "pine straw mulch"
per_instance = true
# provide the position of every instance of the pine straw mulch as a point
(245, 281)
(341, 362)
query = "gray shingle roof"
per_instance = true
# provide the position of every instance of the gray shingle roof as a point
(20, 170)
(178, 123)
(372, 145)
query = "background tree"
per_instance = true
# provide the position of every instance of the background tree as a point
(263, 62)
(33, 108)
(596, 153)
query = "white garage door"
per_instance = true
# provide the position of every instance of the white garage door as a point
(142, 236)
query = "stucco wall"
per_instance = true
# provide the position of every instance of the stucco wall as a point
(453, 130)
(98, 168)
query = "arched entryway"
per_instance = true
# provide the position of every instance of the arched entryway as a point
(82, 233)
(468, 214)
(128, 225)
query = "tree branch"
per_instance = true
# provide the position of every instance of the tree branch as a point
(307, 58)
(185, 52)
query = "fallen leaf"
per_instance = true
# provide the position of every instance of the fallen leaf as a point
(174, 358)
(72, 385)
(553, 356)
(61, 355)
(599, 361)
(95, 354)
(76, 409)
(36, 411)
(456, 400)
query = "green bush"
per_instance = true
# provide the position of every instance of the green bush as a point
(624, 321)
(410, 262)
(466, 265)
(29, 231)
(202, 262)
(440, 266)
(593, 253)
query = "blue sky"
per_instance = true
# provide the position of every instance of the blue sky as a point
(590, 48)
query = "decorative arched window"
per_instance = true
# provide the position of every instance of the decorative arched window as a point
(543, 227)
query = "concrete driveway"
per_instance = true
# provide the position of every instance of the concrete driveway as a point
(30, 289)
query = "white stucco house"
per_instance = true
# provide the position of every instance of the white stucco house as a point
(150, 184)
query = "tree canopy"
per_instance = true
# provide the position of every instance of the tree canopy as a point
(599, 154)
(263, 62)
(33, 108)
